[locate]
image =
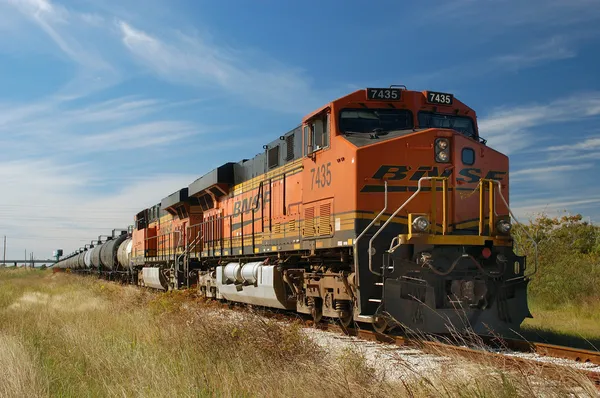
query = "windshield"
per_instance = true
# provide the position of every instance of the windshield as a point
(374, 120)
(461, 124)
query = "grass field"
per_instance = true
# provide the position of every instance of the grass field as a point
(71, 336)
(573, 325)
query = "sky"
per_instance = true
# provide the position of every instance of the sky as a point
(108, 106)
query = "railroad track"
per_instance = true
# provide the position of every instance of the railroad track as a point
(486, 351)
(493, 350)
(483, 346)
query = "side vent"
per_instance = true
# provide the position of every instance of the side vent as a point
(309, 222)
(324, 219)
(273, 157)
(289, 146)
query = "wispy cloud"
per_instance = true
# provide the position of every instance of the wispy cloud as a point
(556, 204)
(557, 48)
(116, 124)
(554, 173)
(69, 214)
(525, 56)
(588, 144)
(77, 37)
(548, 170)
(189, 60)
(140, 136)
(503, 14)
(509, 128)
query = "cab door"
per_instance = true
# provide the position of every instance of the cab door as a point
(317, 192)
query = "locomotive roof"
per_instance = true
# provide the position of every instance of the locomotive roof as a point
(360, 96)
(233, 173)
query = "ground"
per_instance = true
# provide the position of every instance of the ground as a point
(70, 336)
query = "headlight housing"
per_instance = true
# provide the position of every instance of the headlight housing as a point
(442, 150)
(503, 226)
(420, 224)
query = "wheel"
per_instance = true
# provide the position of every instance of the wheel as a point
(346, 318)
(380, 324)
(344, 310)
(317, 313)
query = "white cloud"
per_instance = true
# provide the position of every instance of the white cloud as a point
(553, 169)
(116, 124)
(193, 61)
(507, 129)
(554, 205)
(49, 206)
(139, 136)
(555, 173)
(80, 37)
(557, 48)
(588, 144)
(504, 14)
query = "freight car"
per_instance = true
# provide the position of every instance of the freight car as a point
(383, 205)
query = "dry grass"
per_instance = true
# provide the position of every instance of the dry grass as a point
(69, 336)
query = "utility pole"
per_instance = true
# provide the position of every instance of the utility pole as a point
(4, 252)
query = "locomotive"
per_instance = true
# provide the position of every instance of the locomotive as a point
(383, 207)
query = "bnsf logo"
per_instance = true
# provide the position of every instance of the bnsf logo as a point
(467, 175)
(252, 202)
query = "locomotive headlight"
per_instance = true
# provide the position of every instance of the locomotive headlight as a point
(420, 224)
(442, 143)
(442, 157)
(442, 150)
(503, 227)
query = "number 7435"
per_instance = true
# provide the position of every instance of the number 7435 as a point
(321, 176)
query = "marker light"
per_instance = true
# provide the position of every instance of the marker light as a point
(503, 226)
(420, 224)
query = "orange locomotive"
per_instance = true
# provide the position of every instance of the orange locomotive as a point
(383, 205)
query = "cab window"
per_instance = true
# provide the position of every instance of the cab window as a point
(461, 124)
(316, 134)
(363, 120)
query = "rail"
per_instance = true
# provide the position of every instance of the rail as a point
(186, 252)
(495, 349)
(524, 230)
(389, 220)
(492, 215)
(385, 204)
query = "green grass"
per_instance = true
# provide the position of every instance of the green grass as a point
(70, 336)
(572, 325)
(564, 294)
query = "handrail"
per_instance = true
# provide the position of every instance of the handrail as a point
(186, 251)
(389, 220)
(385, 204)
(526, 233)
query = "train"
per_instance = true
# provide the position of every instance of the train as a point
(383, 208)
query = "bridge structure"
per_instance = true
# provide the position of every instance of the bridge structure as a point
(27, 262)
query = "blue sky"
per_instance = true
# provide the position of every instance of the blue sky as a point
(108, 106)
